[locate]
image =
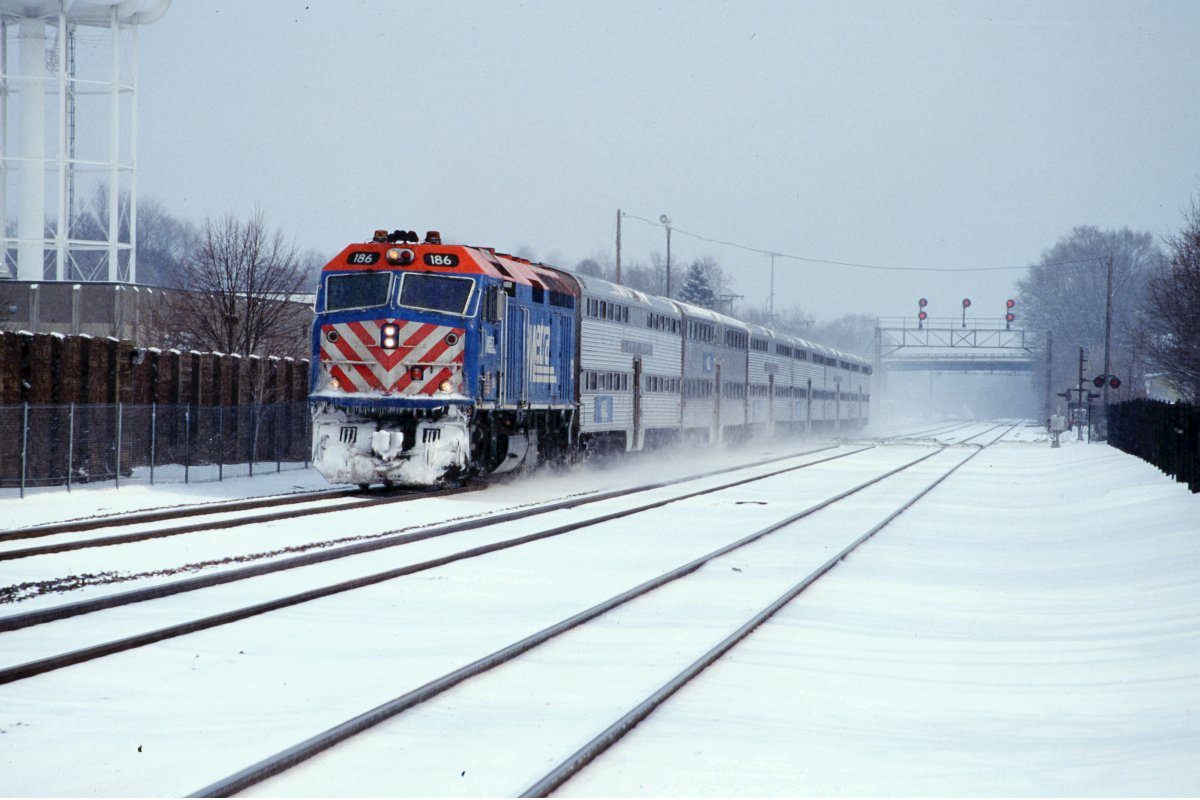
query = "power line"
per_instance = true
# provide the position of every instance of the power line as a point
(806, 259)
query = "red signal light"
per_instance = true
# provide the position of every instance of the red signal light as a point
(922, 316)
(1098, 381)
(1114, 382)
(1009, 317)
(966, 302)
(1010, 303)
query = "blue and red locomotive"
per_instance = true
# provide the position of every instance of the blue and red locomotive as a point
(433, 362)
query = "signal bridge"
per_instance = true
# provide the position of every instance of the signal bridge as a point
(949, 344)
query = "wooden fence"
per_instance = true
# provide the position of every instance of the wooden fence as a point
(77, 409)
(50, 368)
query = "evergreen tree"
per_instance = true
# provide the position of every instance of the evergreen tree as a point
(696, 288)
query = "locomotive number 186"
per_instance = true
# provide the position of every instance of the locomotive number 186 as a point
(441, 259)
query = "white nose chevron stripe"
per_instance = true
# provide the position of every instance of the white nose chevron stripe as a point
(425, 355)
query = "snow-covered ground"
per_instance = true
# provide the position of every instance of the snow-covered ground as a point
(1030, 628)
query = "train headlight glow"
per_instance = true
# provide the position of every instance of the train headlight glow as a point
(400, 256)
(335, 384)
(445, 386)
(388, 334)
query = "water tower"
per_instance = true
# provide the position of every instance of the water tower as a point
(68, 137)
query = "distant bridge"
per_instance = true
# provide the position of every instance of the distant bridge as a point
(951, 345)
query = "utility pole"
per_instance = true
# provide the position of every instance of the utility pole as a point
(1082, 361)
(666, 221)
(1108, 298)
(771, 305)
(1049, 373)
(668, 260)
(618, 246)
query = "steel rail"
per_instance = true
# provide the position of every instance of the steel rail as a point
(208, 509)
(161, 514)
(611, 735)
(937, 430)
(237, 522)
(381, 541)
(51, 663)
(298, 753)
(984, 433)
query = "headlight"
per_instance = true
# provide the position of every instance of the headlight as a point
(387, 335)
(400, 256)
(335, 384)
(445, 386)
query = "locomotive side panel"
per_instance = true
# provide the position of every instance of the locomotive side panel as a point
(536, 345)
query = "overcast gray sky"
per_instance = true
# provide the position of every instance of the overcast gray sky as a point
(899, 134)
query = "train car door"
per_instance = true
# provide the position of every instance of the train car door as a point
(771, 405)
(564, 357)
(717, 402)
(808, 411)
(837, 406)
(636, 442)
(515, 358)
(491, 344)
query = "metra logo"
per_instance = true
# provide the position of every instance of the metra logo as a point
(537, 344)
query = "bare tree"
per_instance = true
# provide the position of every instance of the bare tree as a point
(1171, 322)
(240, 287)
(792, 320)
(590, 266)
(851, 333)
(649, 278)
(164, 241)
(1065, 294)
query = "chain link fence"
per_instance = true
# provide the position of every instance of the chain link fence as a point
(1165, 434)
(67, 445)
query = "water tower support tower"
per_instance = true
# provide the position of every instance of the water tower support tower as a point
(75, 121)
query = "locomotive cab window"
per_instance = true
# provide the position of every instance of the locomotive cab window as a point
(357, 290)
(435, 292)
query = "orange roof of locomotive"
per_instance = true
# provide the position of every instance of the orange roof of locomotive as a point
(471, 261)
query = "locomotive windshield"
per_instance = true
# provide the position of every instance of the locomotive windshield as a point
(357, 290)
(435, 292)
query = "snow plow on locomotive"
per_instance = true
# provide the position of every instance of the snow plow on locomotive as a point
(435, 362)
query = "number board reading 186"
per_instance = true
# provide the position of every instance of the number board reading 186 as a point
(441, 259)
(362, 257)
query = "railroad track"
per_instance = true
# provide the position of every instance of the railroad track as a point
(326, 548)
(29, 619)
(34, 585)
(30, 622)
(301, 752)
(169, 513)
(929, 433)
(322, 503)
